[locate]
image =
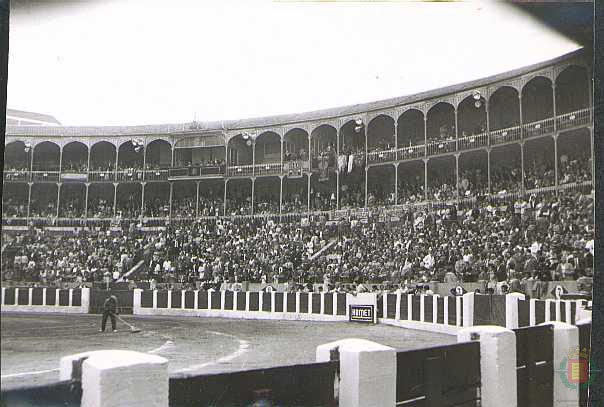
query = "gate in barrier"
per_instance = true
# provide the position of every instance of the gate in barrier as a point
(442, 376)
(299, 385)
(535, 366)
(489, 310)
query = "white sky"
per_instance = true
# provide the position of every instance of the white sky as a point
(154, 61)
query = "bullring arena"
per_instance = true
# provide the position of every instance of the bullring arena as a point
(427, 250)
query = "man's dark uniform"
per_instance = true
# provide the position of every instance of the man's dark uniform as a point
(109, 310)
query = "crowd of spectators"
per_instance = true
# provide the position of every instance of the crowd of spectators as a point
(544, 237)
(47, 258)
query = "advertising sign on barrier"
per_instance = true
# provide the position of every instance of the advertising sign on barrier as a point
(361, 313)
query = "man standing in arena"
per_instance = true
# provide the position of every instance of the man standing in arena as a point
(109, 310)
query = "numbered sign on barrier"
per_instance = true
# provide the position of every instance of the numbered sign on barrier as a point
(361, 313)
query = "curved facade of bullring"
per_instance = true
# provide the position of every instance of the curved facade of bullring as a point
(504, 134)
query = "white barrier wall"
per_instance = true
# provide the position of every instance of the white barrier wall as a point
(72, 304)
(306, 306)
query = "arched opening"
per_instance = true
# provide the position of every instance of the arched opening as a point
(472, 116)
(352, 138)
(574, 156)
(158, 155)
(211, 197)
(411, 179)
(46, 157)
(268, 148)
(473, 174)
(442, 178)
(506, 169)
(380, 134)
(129, 195)
(44, 200)
(17, 156)
(14, 200)
(130, 156)
(323, 192)
(102, 157)
(75, 158)
(157, 199)
(100, 200)
(239, 197)
(504, 109)
(295, 194)
(440, 123)
(72, 200)
(539, 165)
(537, 100)
(324, 140)
(410, 129)
(296, 147)
(184, 199)
(572, 90)
(240, 150)
(266, 195)
(380, 186)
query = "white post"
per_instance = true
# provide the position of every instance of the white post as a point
(532, 317)
(196, 300)
(169, 299)
(4, 289)
(136, 301)
(297, 302)
(30, 296)
(548, 317)
(468, 309)
(260, 300)
(142, 378)
(497, 363)
(70, 297)
(367, 372)
(409, 307)
(43, 296)
(397, 315)
(222, 299)
(511, 309)
(154, 299)
(335, 304)
(458, 309)
(435, 308)
(247, 300)
(273, 301)
(182, 299)
(566, 344)
(421, 307)
(17, 297)
(85, 299)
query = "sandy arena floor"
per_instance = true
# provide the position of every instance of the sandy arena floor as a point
(32, 345)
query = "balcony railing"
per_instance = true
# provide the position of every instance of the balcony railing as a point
(508, 135)
(381, 156)
(442, 146)
(539, 128)
(16, 175)
(474, 141)
(240, 170)
(157, 175)
(411, 152)
(131, 174)
(268, 169)
(45, 176)
(296, 168)
(573, 119)
(101, 176)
